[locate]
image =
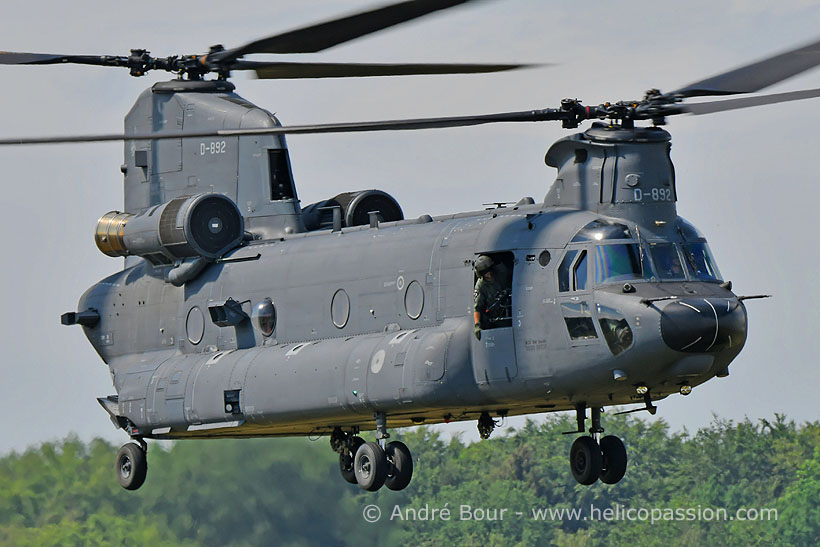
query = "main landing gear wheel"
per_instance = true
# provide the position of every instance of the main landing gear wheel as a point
(400, 470)
(614, 459)
(589, 460)
(370, 466)
(132, 466)
(346, 458)
(585, 460)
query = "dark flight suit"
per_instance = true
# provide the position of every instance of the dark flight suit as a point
(489, 301)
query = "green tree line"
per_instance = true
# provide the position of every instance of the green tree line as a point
(513, 489)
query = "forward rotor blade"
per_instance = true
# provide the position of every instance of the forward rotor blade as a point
(756, 76)
(747, 102)
(17, 58)
(354, 127)
(285, 70)
(322, 36)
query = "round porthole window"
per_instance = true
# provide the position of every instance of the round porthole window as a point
(195, 325)
(340, 308)
(264, 317)
(414, 300)
(544, 258)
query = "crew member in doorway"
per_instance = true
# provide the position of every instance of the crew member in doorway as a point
(491, 295)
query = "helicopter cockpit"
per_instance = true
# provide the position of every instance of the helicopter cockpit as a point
(607, 253)
(618, 257)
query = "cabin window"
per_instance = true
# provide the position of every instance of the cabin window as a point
(264, 316)
(616, 330)
(573, 271)
(578, 317)
(564, 284)
(281, 182)
(579, 273)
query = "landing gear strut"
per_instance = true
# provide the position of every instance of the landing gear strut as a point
(372, 465)
(592, 457)
(132, 464)
(346, 444)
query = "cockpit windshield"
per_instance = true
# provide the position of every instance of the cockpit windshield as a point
(667, 261)
(618, 258)
(614, 263)
(700, 263)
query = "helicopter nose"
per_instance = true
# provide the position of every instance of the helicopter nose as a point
(699, 325)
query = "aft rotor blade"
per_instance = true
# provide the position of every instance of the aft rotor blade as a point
(354, 127)
(756, 76)
(747, 102)
(296, 70)
(322, 36)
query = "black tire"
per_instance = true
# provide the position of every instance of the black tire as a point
(346, 460)
(401, 466)
(585, 460)
(132, 466)
(614, 459)
(370, 466)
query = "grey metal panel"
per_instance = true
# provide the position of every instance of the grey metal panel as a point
(384, 371)
(174, 412)
(494, 356)
(531, 227)
(210, 378)
(137, 194)
(579, 184)
(177, 380)
(239, 371)
(356, 372)
(537, 317)
(134, 385)
(134, 410)
(166, 154)
(300, 381)
(296, 381)
(427, 354)
(157, 386)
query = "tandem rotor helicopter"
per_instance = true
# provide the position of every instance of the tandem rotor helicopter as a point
(240, 313)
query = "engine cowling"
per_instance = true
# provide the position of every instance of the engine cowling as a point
(204, 225)
(355, 207)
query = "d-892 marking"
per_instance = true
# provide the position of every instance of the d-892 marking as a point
(213, 147)
(655, 194)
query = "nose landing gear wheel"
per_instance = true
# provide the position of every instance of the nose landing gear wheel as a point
(132, 466)
(346, 460)
(370, 466)
(585, 460)
(401, 466)
(614, 459)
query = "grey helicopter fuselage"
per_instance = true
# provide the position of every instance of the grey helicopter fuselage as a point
(303, 327)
